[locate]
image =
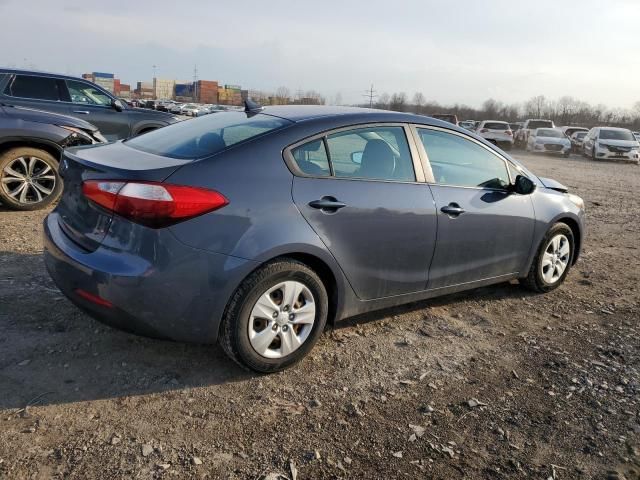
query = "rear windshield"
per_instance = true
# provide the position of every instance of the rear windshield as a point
(579, 135)
(497, 126)
(540, 124)
(543, 132)
(204, 136)
(616, 135)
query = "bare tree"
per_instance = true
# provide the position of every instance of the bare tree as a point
(418, 102)
(283, 96)
(398, 102)
(383, 101)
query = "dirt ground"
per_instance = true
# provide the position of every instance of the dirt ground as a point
(494, 383)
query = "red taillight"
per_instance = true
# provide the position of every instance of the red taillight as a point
(153, 204)
(484, 130)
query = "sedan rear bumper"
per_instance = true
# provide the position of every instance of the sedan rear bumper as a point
(183, 299)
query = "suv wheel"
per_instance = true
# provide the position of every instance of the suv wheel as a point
(29, 178)
(275, 317)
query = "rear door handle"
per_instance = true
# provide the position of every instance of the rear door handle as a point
(327, 204)
(453, 209)
(83, 112)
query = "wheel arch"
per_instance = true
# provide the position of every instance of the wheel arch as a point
(577, 235)
(49, 147)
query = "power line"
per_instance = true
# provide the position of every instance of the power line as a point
(370, 94)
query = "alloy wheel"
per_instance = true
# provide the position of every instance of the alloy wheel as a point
(555, 258)
(282, 319)
(28, 180)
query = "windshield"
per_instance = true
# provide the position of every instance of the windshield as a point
(579, 135)
(204, 136)
(616, 135)
(546, 132)
(496, 126)
(540, 124)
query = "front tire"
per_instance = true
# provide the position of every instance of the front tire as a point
(553, 260)
(275, 317)
(29, 179)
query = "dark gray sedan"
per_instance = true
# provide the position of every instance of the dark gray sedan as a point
(257, 228)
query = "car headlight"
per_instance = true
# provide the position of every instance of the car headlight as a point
(576, 200)
(78, 131)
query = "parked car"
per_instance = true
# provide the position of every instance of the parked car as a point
(177, 108)
(637, 135)
(446, 117)
(576, 141)
(31, 142)
(468, 124)
(611, 143)
(496, 132)
(256, 229)
(548, 140)
(79, 98)
(522, 135)
(569, 131)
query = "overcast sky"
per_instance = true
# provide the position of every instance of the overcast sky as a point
(463, 51)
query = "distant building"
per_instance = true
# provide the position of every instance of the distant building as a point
(206, 91)
(144, 90)
(164, 89)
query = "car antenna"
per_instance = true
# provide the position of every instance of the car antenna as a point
(252, 107)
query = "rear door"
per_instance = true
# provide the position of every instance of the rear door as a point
(39, 92)
(93, 105)
(358, 190)
(484, 229)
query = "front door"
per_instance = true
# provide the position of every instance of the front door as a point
(366, 206)
(94, 106)
(484, 229)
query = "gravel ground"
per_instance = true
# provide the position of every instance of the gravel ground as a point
(493, 383)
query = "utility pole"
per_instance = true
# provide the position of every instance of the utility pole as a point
(195, 83)
(153, 80)
(370, 94)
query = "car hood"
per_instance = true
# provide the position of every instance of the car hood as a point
(553, 184)
(40, 116)
(619, 143)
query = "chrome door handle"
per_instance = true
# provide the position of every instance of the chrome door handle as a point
(84, 112)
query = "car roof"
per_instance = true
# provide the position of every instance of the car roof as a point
(353, 115)
(37, 73)
(619, 129)
(494, 121)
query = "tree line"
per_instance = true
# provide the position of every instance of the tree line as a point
(566, 110)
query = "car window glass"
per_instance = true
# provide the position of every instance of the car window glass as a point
(86, 94)
(312, 159)
(380, 153)
(204, 136)
(41, 88)
(457, 161)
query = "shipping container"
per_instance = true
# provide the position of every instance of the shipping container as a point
(103, 75)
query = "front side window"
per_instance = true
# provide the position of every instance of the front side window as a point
(460, 162)
(380, 153)
(40, 88)
(205, 136)
(86, 94)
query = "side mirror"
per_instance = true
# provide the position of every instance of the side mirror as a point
(523, 185)
(356, 157)
(117, 105)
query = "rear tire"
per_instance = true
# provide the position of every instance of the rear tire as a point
(254, 311)
(29, 179)
(541, 278)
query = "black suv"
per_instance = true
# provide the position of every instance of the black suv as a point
(79, 98)
(31, 143)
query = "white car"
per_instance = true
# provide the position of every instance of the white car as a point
(468, 124)
(610, 142)
(496, 132)
(569, 131)
(548, 140)
(576, 141)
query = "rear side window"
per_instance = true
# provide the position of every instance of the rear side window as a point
(376, 153)
(540, 124)
(312, 158)
(40, 88)
(205, 136)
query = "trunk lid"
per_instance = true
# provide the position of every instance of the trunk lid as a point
(83, 221)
